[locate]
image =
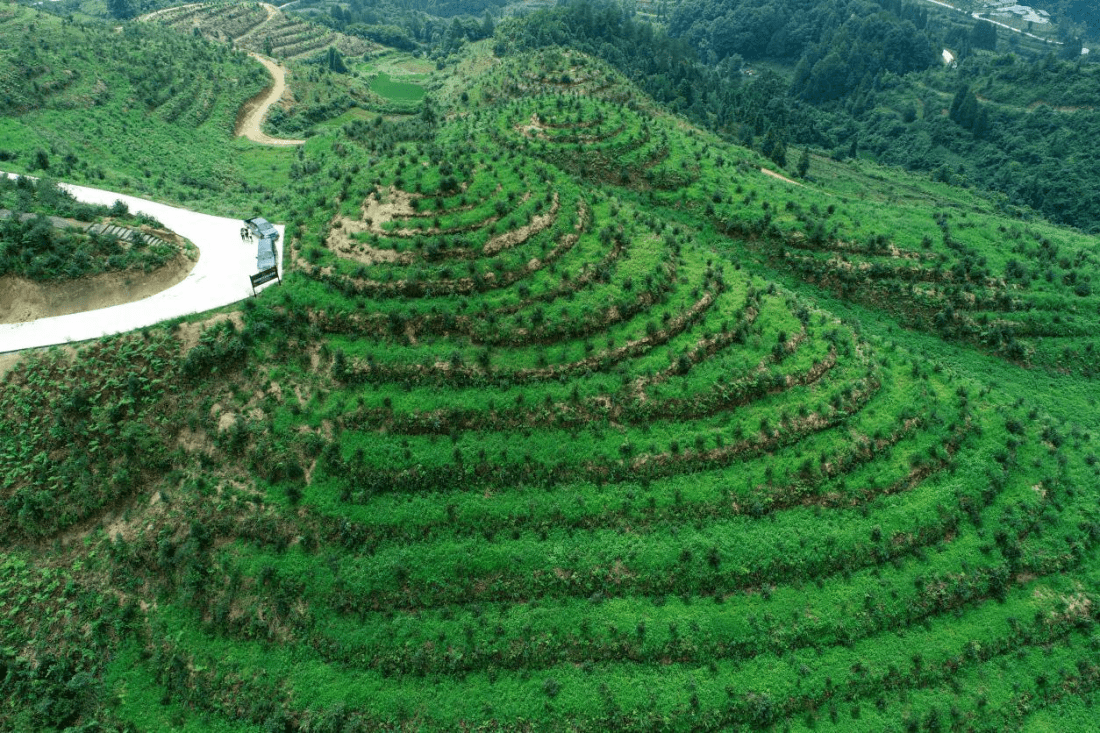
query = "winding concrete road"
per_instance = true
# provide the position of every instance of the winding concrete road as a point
(219, 278)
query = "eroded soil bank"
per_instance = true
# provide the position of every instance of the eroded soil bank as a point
(23, 300)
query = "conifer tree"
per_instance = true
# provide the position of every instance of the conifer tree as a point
(121, 9)
(804, 163)
(774, 147)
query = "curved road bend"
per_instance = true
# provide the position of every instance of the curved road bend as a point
(251, 126)
(219, 278)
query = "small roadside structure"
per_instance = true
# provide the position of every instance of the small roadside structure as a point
(266, 236)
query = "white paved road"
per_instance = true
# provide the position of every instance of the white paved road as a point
(219, 278)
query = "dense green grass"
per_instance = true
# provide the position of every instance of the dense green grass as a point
(396, 90)
(528, 440)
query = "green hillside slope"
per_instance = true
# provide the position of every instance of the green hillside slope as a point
(568, 416)
(140, 108)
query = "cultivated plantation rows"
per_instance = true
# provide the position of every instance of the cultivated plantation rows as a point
(543, 430)
(144, 109)
(565, 460)
(966, 272)
(261, 28)
(179, 81)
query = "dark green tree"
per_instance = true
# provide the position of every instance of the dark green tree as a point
(774, 147)
(827, 80)
(121, 9)
(804, 163)
(335, 61)
(984, 35)
(1071, 48)
(957, 102)
(966, 111)
(427, 111)
(339, 17)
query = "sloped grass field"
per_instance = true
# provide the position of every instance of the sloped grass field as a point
(528, 442)
(145, 110)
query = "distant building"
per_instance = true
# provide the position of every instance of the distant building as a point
(266, 236)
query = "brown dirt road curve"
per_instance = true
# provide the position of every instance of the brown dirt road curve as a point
(251, 119)
(255, 110)
(773, 174)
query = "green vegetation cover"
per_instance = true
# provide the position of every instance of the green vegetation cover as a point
(569, 414)
(45, 234)
(1010, 113)
(144, 109)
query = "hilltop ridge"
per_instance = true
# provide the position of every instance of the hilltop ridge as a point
(570, 415)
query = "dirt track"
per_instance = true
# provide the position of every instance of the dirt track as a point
(163, 11)
(773, 174)
(251, 120)
(255, 110)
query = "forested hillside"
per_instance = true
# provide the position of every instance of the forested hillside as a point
(861, 78)
(593, 397)
(867, 36)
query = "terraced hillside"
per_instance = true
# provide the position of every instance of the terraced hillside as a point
(546, 431)
(37, 81)
(934, 257)
(262, 28)
(143, 109)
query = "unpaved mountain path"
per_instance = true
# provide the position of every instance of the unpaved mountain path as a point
(273, 13)
(773, 174)
(251, 119)
(255, 110)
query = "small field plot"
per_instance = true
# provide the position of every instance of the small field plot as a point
(397, 91)
(397, 77)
